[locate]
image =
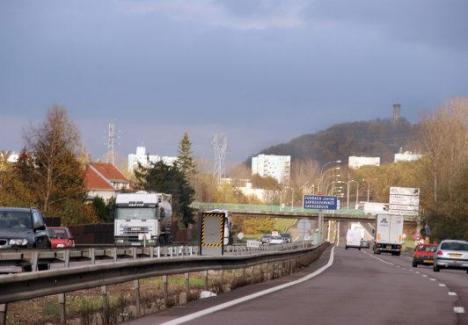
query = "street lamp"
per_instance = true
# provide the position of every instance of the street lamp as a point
(347, 192)
(322, 174)
(368, 189)
(323, 167)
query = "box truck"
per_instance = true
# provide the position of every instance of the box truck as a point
(388, 234)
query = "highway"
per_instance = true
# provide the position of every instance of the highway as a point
(355, 287)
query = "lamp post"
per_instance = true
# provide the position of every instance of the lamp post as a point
(322, 169)
(368, 189)
(347, 191)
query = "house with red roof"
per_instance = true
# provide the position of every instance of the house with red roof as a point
(104, 180)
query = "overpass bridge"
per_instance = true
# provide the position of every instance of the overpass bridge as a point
(261, 210)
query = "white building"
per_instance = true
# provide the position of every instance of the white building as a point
(278, 167)
(145, 159)
(407, 156)
(355, 162)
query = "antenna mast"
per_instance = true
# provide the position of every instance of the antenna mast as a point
(219, 144)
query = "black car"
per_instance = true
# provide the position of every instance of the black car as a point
(22, 228)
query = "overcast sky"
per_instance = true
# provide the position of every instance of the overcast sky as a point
(262, 72)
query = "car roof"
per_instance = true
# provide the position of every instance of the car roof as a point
(11, 209)
(453, 241)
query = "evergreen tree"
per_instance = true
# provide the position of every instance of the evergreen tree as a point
(162, 178)
(185, 157)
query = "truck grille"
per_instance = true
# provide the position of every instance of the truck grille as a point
(136, 230)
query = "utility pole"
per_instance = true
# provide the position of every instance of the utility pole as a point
(111, 141)
(219, 144)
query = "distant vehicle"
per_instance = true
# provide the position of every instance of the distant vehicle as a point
(60, 237)
(389, 234)
(373, 207)
(451, 254)
(365, 244)
(353, 238)
(424, 254)
(277, 240)
(287, 237)
(143, 219)
(265, 239)
(22, 228)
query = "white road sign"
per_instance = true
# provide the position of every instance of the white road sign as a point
(404, 200)
(404, 207)
(404, 191)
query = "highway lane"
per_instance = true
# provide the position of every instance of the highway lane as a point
(358, 288)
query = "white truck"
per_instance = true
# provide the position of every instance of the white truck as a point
(354, 236)
(388, 234)
(142, 219)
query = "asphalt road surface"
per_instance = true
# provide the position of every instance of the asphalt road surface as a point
(357, 288)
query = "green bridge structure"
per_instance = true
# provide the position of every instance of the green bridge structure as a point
(261, 210)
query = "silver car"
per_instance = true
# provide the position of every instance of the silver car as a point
(451, 254)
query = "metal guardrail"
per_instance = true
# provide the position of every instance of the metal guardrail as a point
(24, 286)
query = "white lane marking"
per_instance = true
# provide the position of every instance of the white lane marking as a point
(237, 301)
(381, 260)
(424, 276)
(442, 285)
(432, 279)
(417, 272)
(459, 310)
(338, 234)
(453, 294)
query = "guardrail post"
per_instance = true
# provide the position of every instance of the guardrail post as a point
(63, 308)
(66, 258)
(114, 254)
(187, 284)
(151, 251)
(34, 260)
(136, 291)
(165, 289)
(222, 279)
(134, 253)
(92, 256)
(105, 304)
(159, 251)
(206, 280)
(191, 250)
(3, 314)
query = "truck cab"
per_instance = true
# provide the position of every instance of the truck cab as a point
(142, 219)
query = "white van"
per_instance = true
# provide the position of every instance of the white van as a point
(353, 238)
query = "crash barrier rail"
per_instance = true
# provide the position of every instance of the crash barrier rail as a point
(31, 285)
(34, 258)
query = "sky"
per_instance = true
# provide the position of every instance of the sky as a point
(260, 72)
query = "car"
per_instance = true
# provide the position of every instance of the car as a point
(287, 237)
(365, 244)
(424, 254)
(60, 237)
(265, 239)
(22, 228)
(451, 254)
(277, 240)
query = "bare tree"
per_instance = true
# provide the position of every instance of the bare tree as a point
(444, 137)
(55, 146)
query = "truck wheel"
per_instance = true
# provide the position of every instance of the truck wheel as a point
(436, 268)
(346, 247)
(415, 264)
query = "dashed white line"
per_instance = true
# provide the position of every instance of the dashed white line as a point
(453, 294)
(443, 285)
(459, 310)
(424, 275)
(432, 279)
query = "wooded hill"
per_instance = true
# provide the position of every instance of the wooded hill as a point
(379, 138)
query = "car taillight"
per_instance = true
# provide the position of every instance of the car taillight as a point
(440, 253)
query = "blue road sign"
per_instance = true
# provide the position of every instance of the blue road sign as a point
(321, 202)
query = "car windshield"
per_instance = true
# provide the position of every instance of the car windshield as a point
(58, 233)
(427, 248)
(15, 220)
(454, 246)
(136, 213)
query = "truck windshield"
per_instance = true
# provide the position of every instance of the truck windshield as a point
(15, 220)
(136, 213)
